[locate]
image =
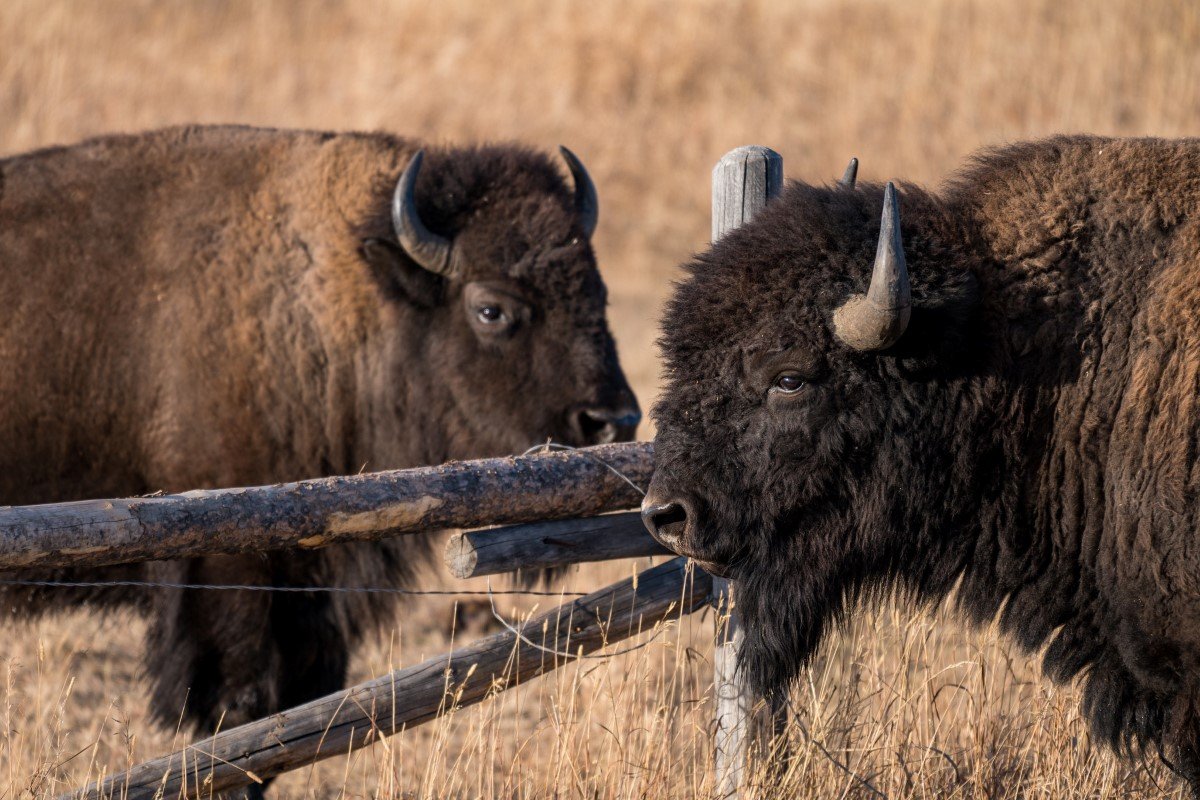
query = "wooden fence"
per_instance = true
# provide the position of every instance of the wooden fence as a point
(550, 505)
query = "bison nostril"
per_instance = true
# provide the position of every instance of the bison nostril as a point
(596, 427)
(665, 522)
(602, 425)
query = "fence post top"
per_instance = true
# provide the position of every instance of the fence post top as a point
(743, 181)
(748, 152)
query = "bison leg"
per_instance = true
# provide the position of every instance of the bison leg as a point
(254, 791)
(312, 653)
(1182, 743)
(230, 657)
(211, 655)
(1187, 763)
(312, 647)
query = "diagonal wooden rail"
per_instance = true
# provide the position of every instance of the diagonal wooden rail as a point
(358, 716)
(325, 511)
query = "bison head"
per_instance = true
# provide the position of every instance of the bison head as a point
(808, 356)
(495, 334)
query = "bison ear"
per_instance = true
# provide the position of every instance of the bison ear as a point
(399, 276)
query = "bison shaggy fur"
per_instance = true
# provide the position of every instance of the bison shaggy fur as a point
(1029, 445)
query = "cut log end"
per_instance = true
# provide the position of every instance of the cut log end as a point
(461, 556)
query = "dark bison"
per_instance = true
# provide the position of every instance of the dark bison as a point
(1007, 402)
(221, 306)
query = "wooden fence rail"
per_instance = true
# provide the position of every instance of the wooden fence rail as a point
(358, 716)
(325, 511)
(539, 545)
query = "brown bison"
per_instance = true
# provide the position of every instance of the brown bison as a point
(1007, 403)
(221, 306)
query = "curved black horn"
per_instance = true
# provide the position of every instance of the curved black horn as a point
(850, 175)
(876, 320)
(425, 247)
(587, 204)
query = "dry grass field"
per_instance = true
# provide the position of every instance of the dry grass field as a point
(650, 93)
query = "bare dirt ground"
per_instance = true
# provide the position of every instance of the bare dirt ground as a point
(650, 94)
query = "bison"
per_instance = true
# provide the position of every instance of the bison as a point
(222, 306)
(990, 391)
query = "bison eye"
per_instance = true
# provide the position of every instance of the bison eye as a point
(490, 315)
(788, 383)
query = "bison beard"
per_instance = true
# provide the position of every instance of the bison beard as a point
(785, 616)
(1026, 443)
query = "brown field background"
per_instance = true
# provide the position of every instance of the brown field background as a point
(650, 94)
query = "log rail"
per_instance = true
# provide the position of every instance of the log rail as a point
(325, 511)
(542, 545)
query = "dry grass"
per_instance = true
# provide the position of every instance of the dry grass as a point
(650, 94)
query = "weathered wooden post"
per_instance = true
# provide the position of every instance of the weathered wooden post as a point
(742, 183)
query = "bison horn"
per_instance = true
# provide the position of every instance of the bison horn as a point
(587, 204)
(850, 175)
(876, 320)
(431, 251)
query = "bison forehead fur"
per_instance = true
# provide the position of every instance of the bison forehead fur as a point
(1030, 440)
(223, 306)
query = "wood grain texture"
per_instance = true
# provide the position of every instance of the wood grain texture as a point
(745, 724)
(743, 182)
(325, 511)
(361, 715)
(539, 545)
